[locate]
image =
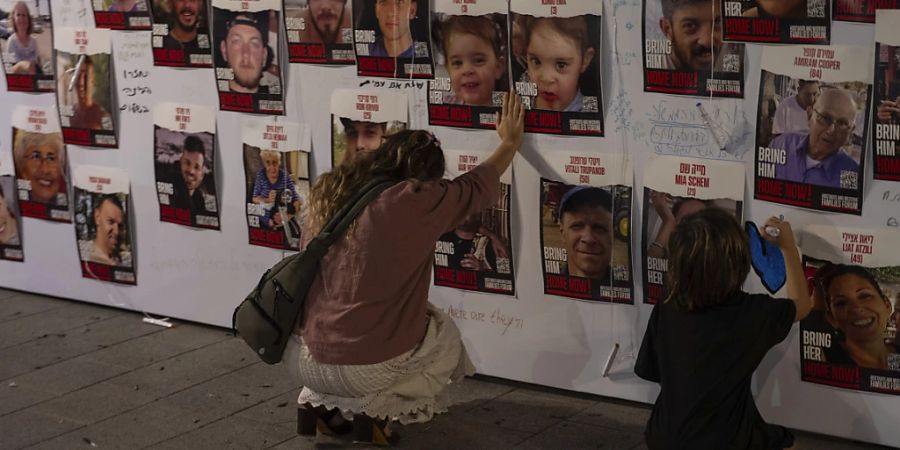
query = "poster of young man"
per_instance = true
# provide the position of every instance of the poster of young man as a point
(477, 254)
(276, 171)
(684, 53)
(245, 48)
(10, 219)
(181, 33)
(83, 86)
(471, 59)
(586, 227)
(810, 151)
(361, 119)
(674, 188)
(555, 52)
(319, 31)
(886, 101)
(26, 51)
(849, 339)
(862, 11)
(391, 38)
(184, 154)
(121, 14)
(40, 161)
(777, 21)
(102, 226)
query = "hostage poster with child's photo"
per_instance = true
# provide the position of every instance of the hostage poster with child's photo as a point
(862, 11)
(555, 52)
(675, 187)
(10, 219)
(362, 119)
(246, 37)
(477, 254)
(391, 38)
(181, 33)
(471, 61)
(586, 226)
(811, 126)
(27, 49)
(777, 21)
(276, 174)
(886, 102)
(849, 339)
(319, 31)
(684, 53)
(121, 14)
(184, 143)
(102, 226)
(83, 90)
(39, 155)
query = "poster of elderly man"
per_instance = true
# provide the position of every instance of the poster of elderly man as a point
(27, 49)
(816, 163)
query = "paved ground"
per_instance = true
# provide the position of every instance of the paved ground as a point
(80, 376)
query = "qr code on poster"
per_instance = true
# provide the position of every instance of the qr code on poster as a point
(420, 50)
(849, 179)
(503, 265)
(589, 104)
(815, 8)
(731, 63)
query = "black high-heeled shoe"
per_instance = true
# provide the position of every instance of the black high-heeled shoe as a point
(367, 430)
(311, 420)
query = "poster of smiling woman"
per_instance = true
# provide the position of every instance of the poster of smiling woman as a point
(39, 155)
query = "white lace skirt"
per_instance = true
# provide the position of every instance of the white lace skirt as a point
(410, 388)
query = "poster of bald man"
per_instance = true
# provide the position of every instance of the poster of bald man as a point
(121, 14)
(83, 91)
(674, 188)
(184, 148)
(684, 53)
(391, 38)
(555, 53)
(42, 173)
(319, 31)
(102, 224)
(246, 37)
(586, 226)
(10, 219)
(362, 119)
(861, 11)
(886, 101)
(180, 35)
(777, 21)
(276, 173)
(477, 254)
(812, 124)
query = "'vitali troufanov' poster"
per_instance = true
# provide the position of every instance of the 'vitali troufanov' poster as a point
(319, 31)
(477, 254)
(27, 53)
(811, 128)
(361, 119)
(184, 154)
(102, 225)
(886, 98)
(676, 187)
(586, 226)
(40, 160)
(777, 21)
(849, 339)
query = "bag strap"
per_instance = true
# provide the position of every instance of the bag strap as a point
(354, 206)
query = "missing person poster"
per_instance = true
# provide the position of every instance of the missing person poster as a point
(276, 171)
(245, 48)
(10, 219)
(27, 50)
(471, 59)
(319, 31)
(886, 101)
(184, 155)
(40, 160)
(811, 128)
(83, 90)
(849, 339)
(674, 188)
(361, 119)
(477, 254)
(102, 225)
(778, 21)
(586, 227)
(181, 33)
(121, 14)
(391, 38)
(555, 51)
(861, 10)
(684, 53)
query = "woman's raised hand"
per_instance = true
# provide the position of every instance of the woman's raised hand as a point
(511, 120)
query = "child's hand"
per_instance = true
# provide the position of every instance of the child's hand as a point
(784, 238)
(511, 120)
